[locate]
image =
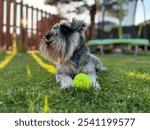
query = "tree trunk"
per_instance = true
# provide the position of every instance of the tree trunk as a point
(103, 24)
(92, 26)
(120, 19)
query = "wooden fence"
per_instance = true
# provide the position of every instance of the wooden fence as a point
(23, 23)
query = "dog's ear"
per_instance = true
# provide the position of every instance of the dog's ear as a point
(78, 25)
(66, 29)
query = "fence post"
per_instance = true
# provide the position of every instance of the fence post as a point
(46, 29)
(1, 22)
(32, 27)
(42, 22)
(47, 25)
(8, 25)
(15, 14)
(21, 22)
(22, 45)
(26, 40)
(37, 38)
(14, 22)
(50, 21)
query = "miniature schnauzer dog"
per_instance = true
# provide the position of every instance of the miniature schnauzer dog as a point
(65, 45)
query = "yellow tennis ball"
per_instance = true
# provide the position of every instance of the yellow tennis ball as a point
(82, 81)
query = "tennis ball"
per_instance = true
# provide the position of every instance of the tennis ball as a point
(82, 81)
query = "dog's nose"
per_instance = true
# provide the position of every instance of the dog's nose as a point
(48, 35)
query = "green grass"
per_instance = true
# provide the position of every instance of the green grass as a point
(2, 56)
(120, 92)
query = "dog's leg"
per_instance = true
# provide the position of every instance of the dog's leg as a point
(90, 70)
(95, 83)
(64, 80)
(98, 64)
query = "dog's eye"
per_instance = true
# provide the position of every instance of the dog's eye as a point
(55, 27)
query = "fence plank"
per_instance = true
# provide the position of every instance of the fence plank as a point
(15, 16)
(41, 21)
(8, 25)
(1, 22)
(37, 39)
(21, 40)
(14, 21)
(32, 41)
(27, 25)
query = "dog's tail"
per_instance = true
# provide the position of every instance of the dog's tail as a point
(98, 64)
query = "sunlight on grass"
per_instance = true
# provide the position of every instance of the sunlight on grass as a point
(8, 57)
(46, 109)
(45, 106)
(49, 68)
(31, 107)
(145, 76)
(28, 71)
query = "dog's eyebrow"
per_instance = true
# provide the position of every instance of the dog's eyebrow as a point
(55, 26)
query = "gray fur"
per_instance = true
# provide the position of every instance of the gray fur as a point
(65, 46)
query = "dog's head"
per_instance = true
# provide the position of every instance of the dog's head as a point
(58, 44)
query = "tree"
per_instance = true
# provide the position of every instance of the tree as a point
(108, 6)
(91, 8)
(145, 25)
(114, 9)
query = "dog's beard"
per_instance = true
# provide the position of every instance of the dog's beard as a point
(53, 51)
(57, 51)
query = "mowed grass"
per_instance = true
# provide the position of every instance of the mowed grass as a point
(125, 87)
(2, 56)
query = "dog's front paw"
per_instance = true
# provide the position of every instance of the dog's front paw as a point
(97, 86)
(103, 69)
(66, 84)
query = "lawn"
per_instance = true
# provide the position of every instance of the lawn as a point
(27, 87)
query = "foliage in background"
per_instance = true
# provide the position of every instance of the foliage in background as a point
(108, 6)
